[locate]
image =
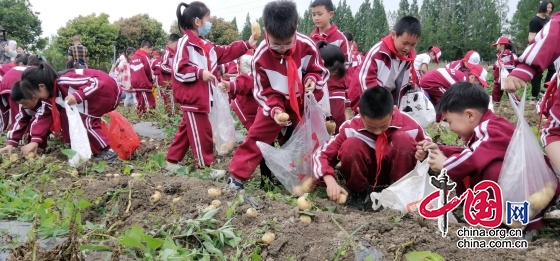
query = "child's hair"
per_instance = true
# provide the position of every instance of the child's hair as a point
(349, 36)
(280, 19)
(376, 103)
(408, 24)
(18, 93)
(192, 11)
(326, 3)
(147, 43)
(33, 76)
(461, 96)
(33, 60)
(21, 58)
(174, 37)
(510, 46)
(129, 51)
(544, 6)
(333, 58)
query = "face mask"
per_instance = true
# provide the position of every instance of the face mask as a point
(206, 29)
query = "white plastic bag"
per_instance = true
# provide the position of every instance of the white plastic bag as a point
(525, 175)
(325, 102)
(292, 162)
(223, 124)
(418, 106)
(491, 105)
(503, 75)
(79, 141)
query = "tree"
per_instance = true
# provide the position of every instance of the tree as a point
(503, 11)
(305, 25)
(413, 10)
(56, 58)
(234, 23)
(380, 27)
(174, 28)
(246, 31)
(96, 33)
(223, 32)
(519, 29)
(392, 18)
(134, 30)
(364, 22)
(343, 17)
(22, 24)
(404, 9)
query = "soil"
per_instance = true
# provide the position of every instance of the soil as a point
(322, 239)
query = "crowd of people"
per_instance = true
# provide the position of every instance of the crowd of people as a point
(371, 150)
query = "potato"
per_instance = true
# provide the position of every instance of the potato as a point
(256, 30)
(143, 141)
(342, 199)
(30, 155)
(159, 187)
(116, 175)
(213, 192)
(216, 203)
(211, 207)
(155, 197)
(175, 200)
(298, 190)
(74, 173)
(14, 157)
(331, 126)
(549, 191)
(307, 185)
(283, 117)
(305, 218)
(135, 175)
(539, 200)
(251, 212)
(268, 238)
(303, 204)
(227, 147)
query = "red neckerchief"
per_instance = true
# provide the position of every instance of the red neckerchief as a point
(381, 146)
(390, 43)
(317, 36)
(56, 128)
(293, 77)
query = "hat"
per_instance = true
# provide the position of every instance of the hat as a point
(481, 73)
(472, 57)
(437, 52)
(502, 40)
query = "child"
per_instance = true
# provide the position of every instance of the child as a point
(507, 59)
(141, 79)
(322, 12)
(155, 65)
(375, 148)
(194, 74)
(389, 62)
(472, 57)
(166, 72)
(123, 77)
(339, 79)
(279, 85)
(357, 56)
(94, 92)
(34, 117)
(485, 135)
(8, 107)
(423, 60)
(436, 82)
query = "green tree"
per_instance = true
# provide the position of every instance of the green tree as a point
(343, 17)
(96, 33)
(404, 9)
(519, 29)
(56, 58)
(174, 28)
(392, 18)
(503, 11)
(22, 24)
(305, 25)
(246, 31)
(413, 10)
(380, 27)
(134, 30)
(363, 30)
(223, 32)
(234, 23)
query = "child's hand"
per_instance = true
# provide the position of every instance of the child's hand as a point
(252, 41)
(70, 99)
(8, 149)
(436, 160)
(333, 189)
(281, 123)
(421, 154)
(430, 146)
(31, 147)
(490, 67)
(309, 85)
(224, 86)
(208, 76)
(513, 83)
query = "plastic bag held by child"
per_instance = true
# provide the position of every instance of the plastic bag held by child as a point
(79, 141)
(121, 134)
(223, 124)
(525, 175)
(418, 106)
(290, 163)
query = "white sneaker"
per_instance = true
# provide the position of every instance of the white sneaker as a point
(217, 173)
(172, 167)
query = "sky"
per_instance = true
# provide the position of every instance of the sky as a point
(55, 14)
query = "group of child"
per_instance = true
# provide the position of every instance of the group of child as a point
(375, 148)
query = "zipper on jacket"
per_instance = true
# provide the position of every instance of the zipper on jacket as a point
(282, 59)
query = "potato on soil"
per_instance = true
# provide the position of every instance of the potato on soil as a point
(175, 200)
(251, 212)
(30, 155)
(155, 197)
(216, 203)
(298, 191)
(14, 157)
(307, 185)
(214, 192)
(303, 203)
(210, 207)
(305, 218)
(256, 30)
(268, 238)
(74, 173)
(135, 175)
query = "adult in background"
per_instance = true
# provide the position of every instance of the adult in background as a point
(78, 55)
(7, 48)
(537, 23)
